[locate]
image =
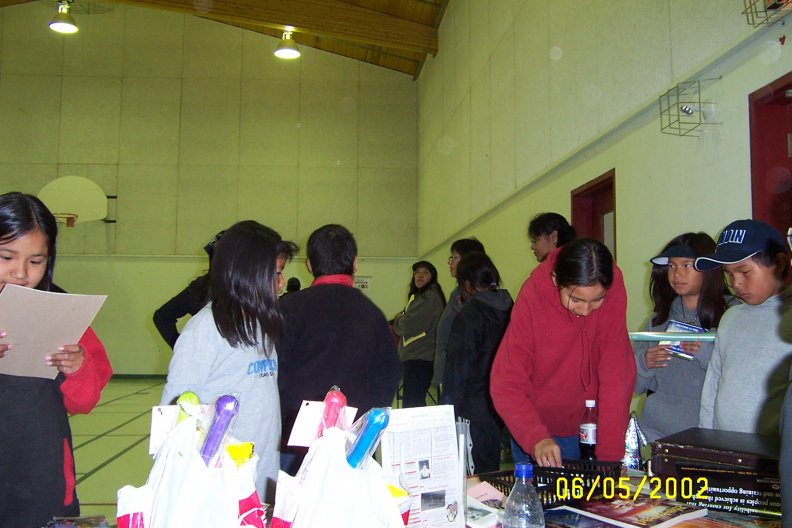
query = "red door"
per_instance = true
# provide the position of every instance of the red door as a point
(770, 111)
(771, 147)
(594, 210)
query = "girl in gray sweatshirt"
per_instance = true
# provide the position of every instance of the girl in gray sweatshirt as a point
(679, 293)
(228, 347)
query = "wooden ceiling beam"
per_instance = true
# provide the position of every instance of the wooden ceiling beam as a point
(5, 3)
(330, 18)
(399, 60)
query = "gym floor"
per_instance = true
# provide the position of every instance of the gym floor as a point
(111, 443)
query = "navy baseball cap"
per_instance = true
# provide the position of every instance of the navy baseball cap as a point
(677, 251)
(740, 240)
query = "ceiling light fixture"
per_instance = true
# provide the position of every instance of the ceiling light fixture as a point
(287, 49)
(63, 21)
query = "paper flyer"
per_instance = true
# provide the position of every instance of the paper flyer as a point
(306, 426)
(675, 346)
(419, 448)
(36, 323)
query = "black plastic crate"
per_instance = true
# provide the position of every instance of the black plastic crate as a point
(546, 479)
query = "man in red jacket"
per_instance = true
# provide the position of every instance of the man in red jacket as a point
(566, 343)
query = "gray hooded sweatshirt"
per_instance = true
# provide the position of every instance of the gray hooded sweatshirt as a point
(749, 370)
(204, 363)
(674, 403)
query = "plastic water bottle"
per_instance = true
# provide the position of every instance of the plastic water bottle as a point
(588, 432)
(523, 509)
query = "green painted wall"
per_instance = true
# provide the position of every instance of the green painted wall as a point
(195, 125)
(542, 97)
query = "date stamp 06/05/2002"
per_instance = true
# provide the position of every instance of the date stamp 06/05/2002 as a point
(611, 488)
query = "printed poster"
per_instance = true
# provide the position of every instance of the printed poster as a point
(419, 449)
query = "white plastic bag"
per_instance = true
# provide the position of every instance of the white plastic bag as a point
(327, 492)
(182, 491)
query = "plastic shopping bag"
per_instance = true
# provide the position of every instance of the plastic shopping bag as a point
(328, 492)
(182, 491)
(134, 507)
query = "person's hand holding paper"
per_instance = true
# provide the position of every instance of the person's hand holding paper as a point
(31, 345)
(68, 359)
(3, 346)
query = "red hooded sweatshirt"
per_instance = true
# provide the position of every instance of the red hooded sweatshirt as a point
(550, 361)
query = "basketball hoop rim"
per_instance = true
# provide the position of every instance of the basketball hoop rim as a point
(65, 218)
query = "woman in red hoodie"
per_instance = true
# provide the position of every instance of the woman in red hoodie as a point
(566, 343)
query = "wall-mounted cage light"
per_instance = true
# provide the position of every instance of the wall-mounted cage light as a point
(682, 112)
(768, 12)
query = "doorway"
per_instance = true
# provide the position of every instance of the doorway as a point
(770, 114)
(594, 210)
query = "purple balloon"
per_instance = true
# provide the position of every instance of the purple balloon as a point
(225, 409)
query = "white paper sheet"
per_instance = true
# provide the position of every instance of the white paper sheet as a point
(306, 425)
(36, 323)
(163, 419)
(419, 447)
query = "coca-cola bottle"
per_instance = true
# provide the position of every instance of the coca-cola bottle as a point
(588, 432)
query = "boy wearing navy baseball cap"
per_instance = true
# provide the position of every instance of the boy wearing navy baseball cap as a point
(749, 368)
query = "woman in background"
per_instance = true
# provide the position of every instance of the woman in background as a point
(679, 293)
(188, 301)
(459, 249)
(475, 335)
(416, 327)
(548, 231)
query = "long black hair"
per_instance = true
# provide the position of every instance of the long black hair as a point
(463, 246)
(21, 214)
(711, 303)
(243, 281)
(546, 223)
(584, 262)
(431, 285)
(477, 269)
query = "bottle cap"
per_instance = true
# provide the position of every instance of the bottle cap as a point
(523, 470)
(591, 403)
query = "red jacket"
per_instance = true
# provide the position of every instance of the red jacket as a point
(36, 460)
(81, 390)
(550, 362)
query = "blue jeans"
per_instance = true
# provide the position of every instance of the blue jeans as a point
(570, 449)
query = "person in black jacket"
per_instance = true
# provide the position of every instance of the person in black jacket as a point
(475, 335)
(332, 335)
(189, 301)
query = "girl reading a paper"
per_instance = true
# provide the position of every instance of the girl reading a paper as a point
(36, 460)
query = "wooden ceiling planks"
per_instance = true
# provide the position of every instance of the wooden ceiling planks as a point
(393, 34)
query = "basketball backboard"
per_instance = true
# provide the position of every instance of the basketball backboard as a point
(74, 195)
